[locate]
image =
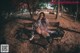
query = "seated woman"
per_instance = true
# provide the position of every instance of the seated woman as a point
(41, 27)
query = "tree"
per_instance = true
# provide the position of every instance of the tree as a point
(58, 9)
(76, 11)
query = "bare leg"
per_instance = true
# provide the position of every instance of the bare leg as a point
(47, 36)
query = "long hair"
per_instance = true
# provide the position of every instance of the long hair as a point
(40, 16)
(43, 20)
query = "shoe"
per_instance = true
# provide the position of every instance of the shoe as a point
(49, 39)
(31, 38)
(44, 47)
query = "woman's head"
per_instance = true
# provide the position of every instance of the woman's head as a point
(41, 15)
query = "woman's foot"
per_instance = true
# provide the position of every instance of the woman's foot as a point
(31, 38)
(49, 39)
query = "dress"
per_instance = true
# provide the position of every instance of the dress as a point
(42, 24)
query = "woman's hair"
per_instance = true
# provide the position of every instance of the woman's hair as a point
(43, 20)
(40, 15)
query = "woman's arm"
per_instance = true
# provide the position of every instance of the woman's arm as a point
(47, 21)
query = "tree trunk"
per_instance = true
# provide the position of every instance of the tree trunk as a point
(58, 9)
(76, 12)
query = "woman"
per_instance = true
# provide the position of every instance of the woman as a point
(42, 23)
(41, 26)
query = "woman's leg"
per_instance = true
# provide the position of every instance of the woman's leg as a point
(47, 36)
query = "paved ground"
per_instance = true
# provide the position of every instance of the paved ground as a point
(68, 44)
(70, 26)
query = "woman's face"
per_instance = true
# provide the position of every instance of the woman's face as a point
(42, 16)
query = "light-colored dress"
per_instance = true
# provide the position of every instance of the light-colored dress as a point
(42, 24)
